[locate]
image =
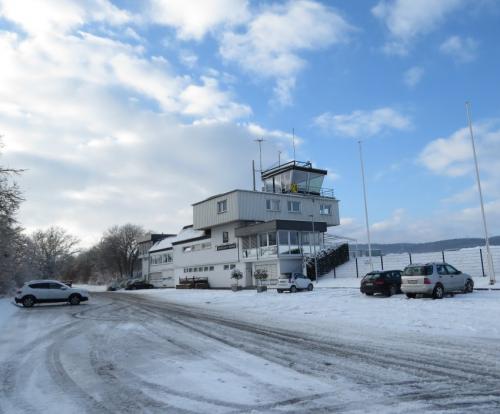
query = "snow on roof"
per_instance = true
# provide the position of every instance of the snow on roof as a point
(186, 233)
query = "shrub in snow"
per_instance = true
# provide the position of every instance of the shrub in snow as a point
(236, 275)
(260, 275)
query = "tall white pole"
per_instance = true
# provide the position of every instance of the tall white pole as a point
(314, 241)
(489, 259)
(366, 206)
(293, 142)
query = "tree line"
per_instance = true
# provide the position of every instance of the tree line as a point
(54, 253)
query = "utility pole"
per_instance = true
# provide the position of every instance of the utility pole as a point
(314, 241)
(489, 259)
(366, 206)
(260, 141)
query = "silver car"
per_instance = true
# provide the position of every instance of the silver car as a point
(434, 279)
(293, 282)
(49, 291)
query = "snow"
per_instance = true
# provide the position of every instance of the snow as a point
(91, 288)
(186, 233)
(346, 308)
(7, 309)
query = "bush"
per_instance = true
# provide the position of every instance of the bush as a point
(236, 274)
(260, 275)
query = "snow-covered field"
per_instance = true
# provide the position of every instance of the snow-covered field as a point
(470, 315)
(216, 351)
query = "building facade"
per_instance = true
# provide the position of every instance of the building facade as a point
(274, 229)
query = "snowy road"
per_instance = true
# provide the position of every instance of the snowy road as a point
(125, 353)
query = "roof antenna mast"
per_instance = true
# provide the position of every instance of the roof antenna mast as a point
(293, 142)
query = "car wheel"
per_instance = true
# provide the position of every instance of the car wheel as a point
(280, 291)
(438, 292)
(392, 291)
(74, 299)
(293, 289)
(28, 301)
(310, 287)
(411, 295)
(469, 286)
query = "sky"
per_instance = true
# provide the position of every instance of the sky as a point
(123, 111)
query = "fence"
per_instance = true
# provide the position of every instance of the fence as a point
(471, 261)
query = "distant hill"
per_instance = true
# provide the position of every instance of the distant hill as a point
(451, 244)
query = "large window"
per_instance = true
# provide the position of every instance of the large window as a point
(222, 206)
(294, 242)
(325, 209)
(249, 245)
(293, 206)
(225, 237)
(273, 205)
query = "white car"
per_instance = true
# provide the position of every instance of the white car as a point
(49, 291)
(294, 282)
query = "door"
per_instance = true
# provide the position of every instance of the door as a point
(444, 277)
(57, 292)
(457, 278)
(41, 291)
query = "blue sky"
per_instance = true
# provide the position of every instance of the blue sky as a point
(125, 111)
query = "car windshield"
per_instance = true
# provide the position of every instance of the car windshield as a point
(373, 276)
(418, 270)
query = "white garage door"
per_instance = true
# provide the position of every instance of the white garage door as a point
(163, 279)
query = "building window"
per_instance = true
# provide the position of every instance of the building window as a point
(211, 268)
(225, 237)
(273, 205)
(325, 209)
(226, 267)
(232, 266)
(294, 206)
(222, 206)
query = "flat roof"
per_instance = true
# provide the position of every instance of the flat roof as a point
(300, 195)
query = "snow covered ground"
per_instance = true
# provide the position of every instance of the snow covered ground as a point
(470, 315)
(215, 351)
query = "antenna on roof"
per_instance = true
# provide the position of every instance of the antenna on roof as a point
(279, 158)
(260, 141)
(293, 142)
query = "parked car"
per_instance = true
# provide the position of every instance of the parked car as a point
(434, 279)
(49, 291)
(139, 284)
(386, 282)
(294, 282)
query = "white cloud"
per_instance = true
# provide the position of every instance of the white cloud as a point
(409, 19)
(273, 39)
(194, 18)
(56, 16)
(449, 156)
(106, 133)
(208, 101)
(461, 49)
(363, 124)
(413, 76)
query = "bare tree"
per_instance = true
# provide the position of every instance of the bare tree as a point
(11, 238)
(118, 249)
(53, 250)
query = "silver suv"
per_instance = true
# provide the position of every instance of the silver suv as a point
(49, 291)
(293, 282)
(434, 279)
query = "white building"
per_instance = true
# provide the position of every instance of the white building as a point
(273, 229)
